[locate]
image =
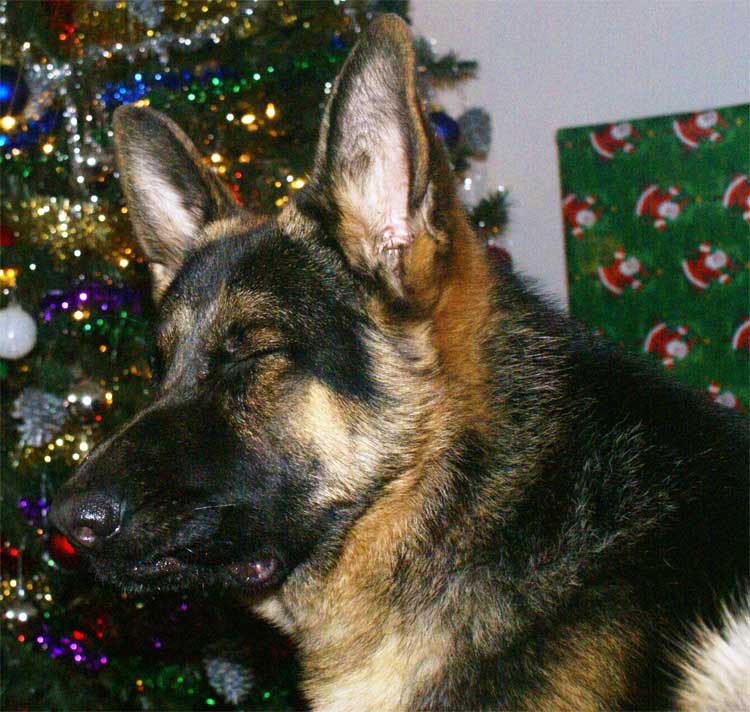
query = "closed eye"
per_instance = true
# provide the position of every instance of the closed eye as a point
(247, 345)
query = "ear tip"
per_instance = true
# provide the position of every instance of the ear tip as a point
(130, 116)
(390, 28)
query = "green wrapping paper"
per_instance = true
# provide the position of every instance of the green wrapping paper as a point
(656, 215)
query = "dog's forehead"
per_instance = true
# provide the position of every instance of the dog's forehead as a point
(255, 275)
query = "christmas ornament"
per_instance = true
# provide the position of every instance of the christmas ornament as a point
(14, 92)
(61, 552)
(337, 43)
(612, 139)
(737, 195)
(445, 127)
(149, 12)
(8, 276)
(659, 205)
(41, 414)
(621, 274)
(707, 268)
(670, 346)
(7, 238)
(62, 17)
(86, 399)
(475, 127)
(698, 127)
(17, 332)
(231, 680)
(578, 215)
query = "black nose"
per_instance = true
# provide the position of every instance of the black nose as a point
(86, 519)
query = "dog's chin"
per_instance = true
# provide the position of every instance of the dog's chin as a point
(255, 576)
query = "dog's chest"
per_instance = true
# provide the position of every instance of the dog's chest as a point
(353, 663)
(385, 679)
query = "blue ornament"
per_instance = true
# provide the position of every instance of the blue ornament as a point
(445, 127)
(337, 44)
(14, 92)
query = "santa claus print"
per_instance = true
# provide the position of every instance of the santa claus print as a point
(621, 274)
(741, 336)
(578, 214)
(697, 128)
(737, 196)
(660, 205)
(669, 346)
(613, 139)
(710, 266)
(724, 398)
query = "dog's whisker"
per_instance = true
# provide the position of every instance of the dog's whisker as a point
(216, 506)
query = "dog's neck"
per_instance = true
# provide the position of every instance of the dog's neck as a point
(357, 650)
(357, 644)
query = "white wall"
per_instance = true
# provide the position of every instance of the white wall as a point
(547, 64)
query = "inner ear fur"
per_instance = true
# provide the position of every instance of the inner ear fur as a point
(381, 171)
(171, 195)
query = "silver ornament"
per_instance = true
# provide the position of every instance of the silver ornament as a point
(230, 679)
(149, 12)
(476, 131)
(41, 414)
(17, 332)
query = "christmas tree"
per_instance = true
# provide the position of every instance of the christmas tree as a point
(247, 81)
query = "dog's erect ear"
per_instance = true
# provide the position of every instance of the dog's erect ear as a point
(378, 165)
(170, 195)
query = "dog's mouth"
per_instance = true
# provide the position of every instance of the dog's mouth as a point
(173, 571)
(255, 572)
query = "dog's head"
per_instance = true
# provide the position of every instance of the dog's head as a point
(298, 359)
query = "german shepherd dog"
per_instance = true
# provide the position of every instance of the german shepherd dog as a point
(445, 492)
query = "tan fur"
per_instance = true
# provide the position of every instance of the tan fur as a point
(336, 431)
(354, 647)
(463, 318)
(595, 663)
(236, 224)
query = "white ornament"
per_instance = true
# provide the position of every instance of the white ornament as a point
(17, 332)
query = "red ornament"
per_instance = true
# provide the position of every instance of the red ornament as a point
(62, 17)
(7, 238)
(62, 552)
